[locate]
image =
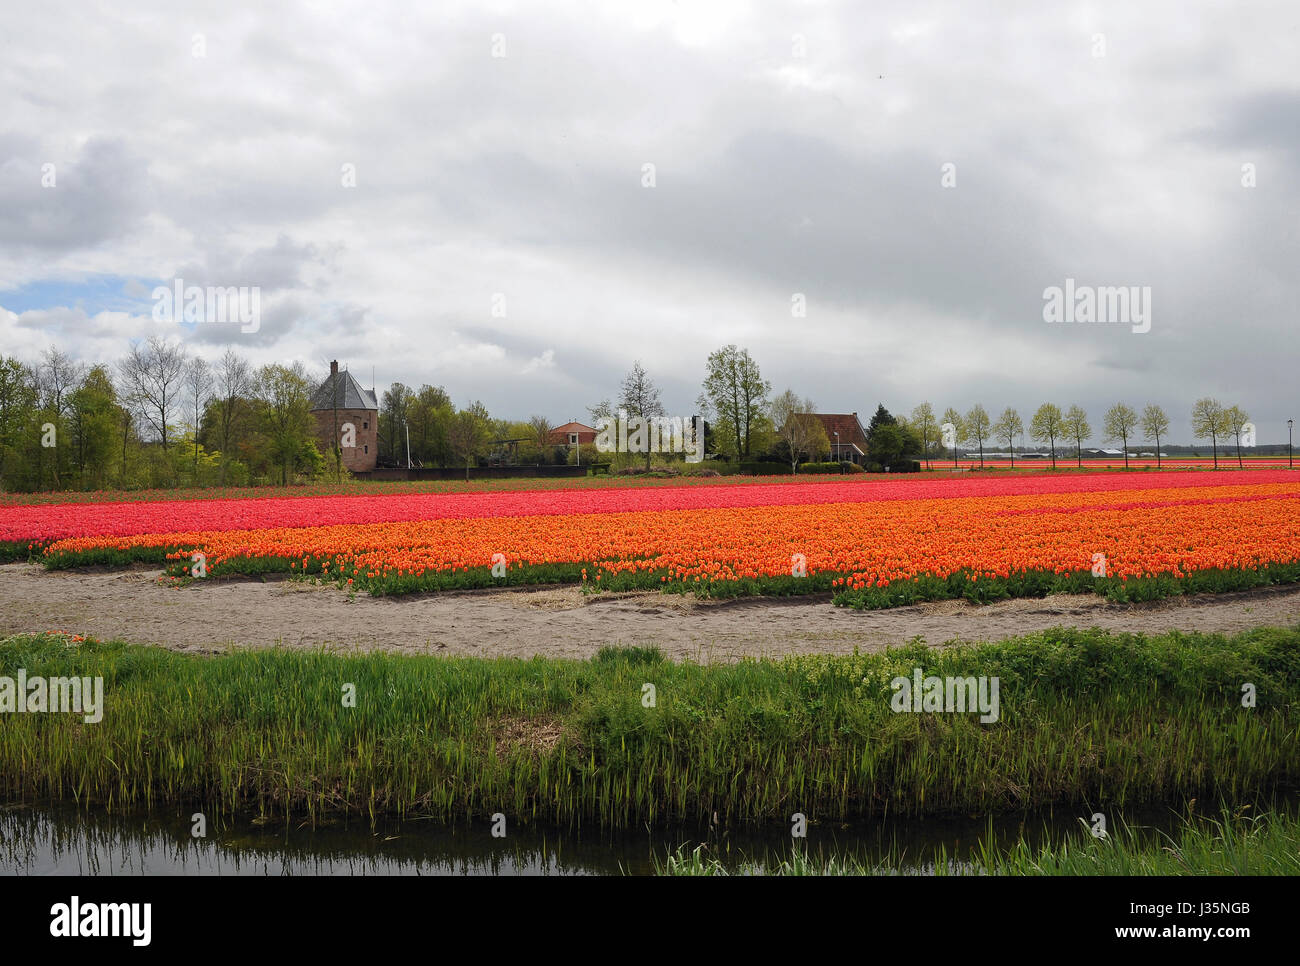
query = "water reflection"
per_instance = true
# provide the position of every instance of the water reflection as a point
(62, 840)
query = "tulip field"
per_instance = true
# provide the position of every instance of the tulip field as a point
(867, 543)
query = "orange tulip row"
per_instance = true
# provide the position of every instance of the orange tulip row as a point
(1140, 533)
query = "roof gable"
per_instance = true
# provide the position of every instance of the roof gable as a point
(350, 395)
(846, 424)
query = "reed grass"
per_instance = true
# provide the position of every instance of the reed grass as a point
(1086, 716)
(1233, 844)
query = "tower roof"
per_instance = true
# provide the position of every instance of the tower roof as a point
(350, 395)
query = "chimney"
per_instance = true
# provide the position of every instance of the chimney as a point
(334, 368)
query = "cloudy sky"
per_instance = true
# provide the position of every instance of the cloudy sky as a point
(458, 194)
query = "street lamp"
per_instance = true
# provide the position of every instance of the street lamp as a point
(1290, 463)
(837, 446)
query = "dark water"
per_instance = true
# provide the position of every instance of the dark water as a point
(64, 841)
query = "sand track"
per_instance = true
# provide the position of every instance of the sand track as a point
(560, 622)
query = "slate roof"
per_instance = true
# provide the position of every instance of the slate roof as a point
(350, 395)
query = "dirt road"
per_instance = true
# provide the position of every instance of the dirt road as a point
(560, 622)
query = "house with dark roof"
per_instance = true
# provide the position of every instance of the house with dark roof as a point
(345, 412)
(851, 442)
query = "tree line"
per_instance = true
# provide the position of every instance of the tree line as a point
(749, 423)
(157, 417)
(162, 417)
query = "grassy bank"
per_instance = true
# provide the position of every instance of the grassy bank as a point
(1083, 716)
(1234, 844)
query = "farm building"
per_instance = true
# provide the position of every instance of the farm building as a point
(346, 412)
(572, 433)
(847, 438)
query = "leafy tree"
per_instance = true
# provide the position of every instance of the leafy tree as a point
(284, 392)
(926, 428)
(1120, 422)
(736, 392)
(1210, 421)
(17, 415)
(1047, 426)
(539, 431)
(881, 417)
(94, 419)
(891, 443)
(1077, 428)
(977, 428)
(1237, 418)
(958, 423)
(393, 411)
(470, 433)
(429, 415)
(1007, 428)
(1155, 423)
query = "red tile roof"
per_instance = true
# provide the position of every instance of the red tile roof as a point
(586, 434)
(847, 425)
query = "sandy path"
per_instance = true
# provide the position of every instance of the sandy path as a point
(560, 622)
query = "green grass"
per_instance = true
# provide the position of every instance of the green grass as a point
(1268, 844)
(1086, 716)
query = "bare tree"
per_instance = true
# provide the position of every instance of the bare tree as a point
(198, 383)
(153, 377)
(234, 386)
(924, 425)
(640, 397)
(797, 424)
(540, 429)
(57, 377)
